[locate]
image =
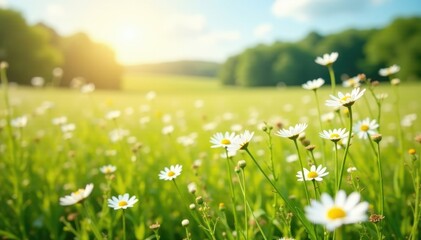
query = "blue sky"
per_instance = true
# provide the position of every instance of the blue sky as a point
(142, 31)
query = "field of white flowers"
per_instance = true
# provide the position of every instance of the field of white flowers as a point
(212, 164)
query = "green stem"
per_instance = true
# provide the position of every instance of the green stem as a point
(346, 149)
(381, 200)
(321, 127)
(124, 224)
(246, 203)
(332, 77)
(233, 199)
(415, 230)
(292, 206)
(336, 164)
(302, 171)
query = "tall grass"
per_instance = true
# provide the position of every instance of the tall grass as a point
(40, 164)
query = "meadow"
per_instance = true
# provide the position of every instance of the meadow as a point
(65, 138)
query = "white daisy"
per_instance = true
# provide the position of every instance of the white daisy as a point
(167, 130)
(346, 99)
(37, 81)
(122, 201)
(352, 82)
(241, 141)
(313, 84)
(19, 122)
(77, 196)
(170, 173)
(366, 127)
(389, 71)
(332, 213)
(314, 173)
(334, 135)
(112, 115)
(222, 140)
(328, 117)
(327, 59)
(293, 131)
(108, 169)
(87, 88)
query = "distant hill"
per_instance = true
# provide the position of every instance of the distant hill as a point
(195, 68)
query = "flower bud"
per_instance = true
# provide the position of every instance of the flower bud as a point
(185, 222)
(242, 164)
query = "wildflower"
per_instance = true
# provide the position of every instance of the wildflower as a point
(314, 173)
(59, 120)
(154, 226)
(292, 132)
(37, 81)
(395, 81)
(112, 115)
(108, 169)
(170, 173)
(87, 88)
(351, 169)
(57, 72)
(313, 84)
(352, 82)
(77, 196)
(20, 122)
(69, 127)
(167, 130)
(366, 127)
(345, 100)
(241, 141)
(292, 158)
(334, 135)
(389, 71)
(185, 222)
(333, 213)
(412, 151)
(327, 59)
(408, 120)
(375, 218)
(328, 117)
(151, 95)
(242, 164)
(122, 201)
(222, 140)
(192, 187)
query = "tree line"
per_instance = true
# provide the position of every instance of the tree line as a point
(360, 51)
(38, 51)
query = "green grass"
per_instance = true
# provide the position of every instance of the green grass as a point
(168, 83)
(40, 166)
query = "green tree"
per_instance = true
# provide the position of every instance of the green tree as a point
(228, 70)
(92, 61)
(398, 43)
(26, 48)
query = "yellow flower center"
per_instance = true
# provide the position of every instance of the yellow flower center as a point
(335, 213)
(170, 173)
(225, 141)
(122, 203)
(364, 128)
(345, 98)
(79, 192)
(312, 175)
(334, 135)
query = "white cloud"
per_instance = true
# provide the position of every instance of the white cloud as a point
(54, 11)
(262, 30)
(186, 22)
(216, 37)
(307, 10)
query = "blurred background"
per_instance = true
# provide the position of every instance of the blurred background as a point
(259, 43)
